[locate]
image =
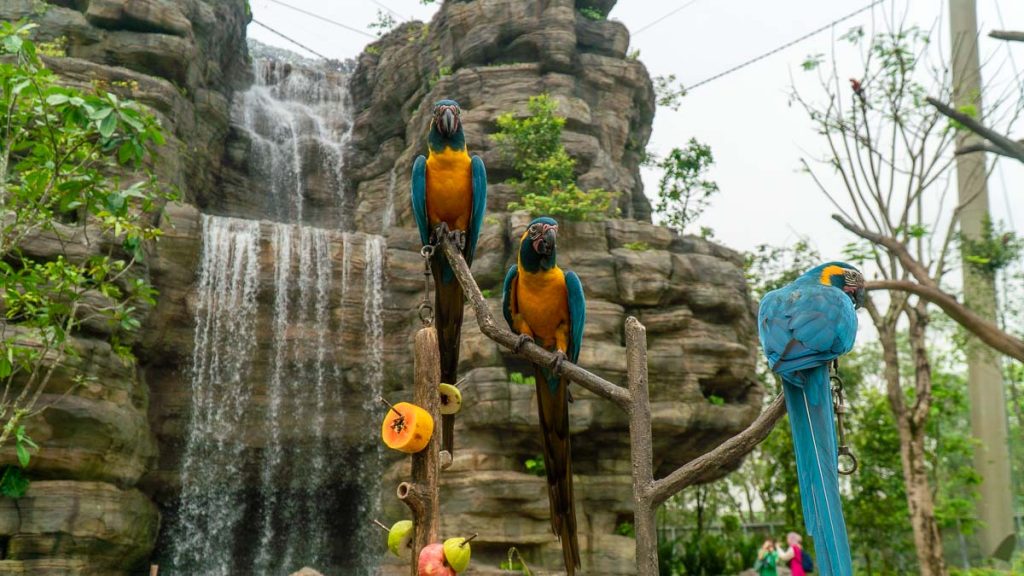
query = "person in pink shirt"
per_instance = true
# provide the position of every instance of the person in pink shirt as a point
(794, 556)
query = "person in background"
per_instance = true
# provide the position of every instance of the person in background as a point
(793, 557)
(767, 557)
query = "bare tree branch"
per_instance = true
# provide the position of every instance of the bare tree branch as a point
(1009, 35)
(986, 331)
(1009, 147)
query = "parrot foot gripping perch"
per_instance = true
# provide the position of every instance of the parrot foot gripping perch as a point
(839, 405)
(456, 237)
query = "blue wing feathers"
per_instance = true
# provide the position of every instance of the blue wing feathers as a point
(479, 206)
(506, 293)
(419, 198)
(577, 315)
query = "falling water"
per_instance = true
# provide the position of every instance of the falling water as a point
(299, 124)
(212, 502)
(268, 481)
(389, 206)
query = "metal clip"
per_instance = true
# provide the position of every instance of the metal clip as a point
(425, 308)
(839, 405)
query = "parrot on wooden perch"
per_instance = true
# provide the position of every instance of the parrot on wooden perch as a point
(804, 327)
(449, 197)
(544, 304)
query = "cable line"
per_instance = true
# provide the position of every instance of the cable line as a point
(784, 46)
(328, 20)
(646, 26)
(393, 13)
(300, 45)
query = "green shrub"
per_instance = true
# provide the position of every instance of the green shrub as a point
(546, 182)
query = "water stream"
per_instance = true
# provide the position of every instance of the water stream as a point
(271, 478)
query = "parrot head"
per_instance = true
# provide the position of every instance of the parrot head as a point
(446, 121)
(537, 247)
(844, 277)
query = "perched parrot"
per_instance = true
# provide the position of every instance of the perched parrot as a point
(449, 196)
(804, 327)
(544, 304)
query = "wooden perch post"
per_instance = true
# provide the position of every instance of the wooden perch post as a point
(648, 493)
(422, 494)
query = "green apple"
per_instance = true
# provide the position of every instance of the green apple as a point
(457, 551)
(451, 399)
(399, 537)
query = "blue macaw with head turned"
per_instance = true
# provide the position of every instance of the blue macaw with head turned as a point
(544, 304)
(804, 327)
(449, 196)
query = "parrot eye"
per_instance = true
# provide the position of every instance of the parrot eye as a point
(853, 278)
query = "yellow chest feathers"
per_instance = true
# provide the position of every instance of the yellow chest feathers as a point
(449, 187)
(543, 300)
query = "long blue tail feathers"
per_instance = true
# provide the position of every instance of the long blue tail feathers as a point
(809, 402)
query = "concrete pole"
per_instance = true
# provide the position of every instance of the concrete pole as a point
(985, 379)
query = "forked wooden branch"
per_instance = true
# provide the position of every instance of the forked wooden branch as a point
(529, 351)
(648, 494)
(1002, 144)
(422, 495)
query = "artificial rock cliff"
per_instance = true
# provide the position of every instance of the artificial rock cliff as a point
(110, 475)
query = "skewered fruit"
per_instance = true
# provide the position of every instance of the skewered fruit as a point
(456, 552)
(451, 399)
(407, 428)
(399, 537)
(432, 562)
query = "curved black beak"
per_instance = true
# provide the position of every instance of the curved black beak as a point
(448, 122)
(858, 297)
(545, 245)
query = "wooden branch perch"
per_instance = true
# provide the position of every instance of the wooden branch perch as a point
(648, 494)
(1009, 35)
(986, 331)
(725, 454)
(422, 494)
(529, 351)
(1002, 144)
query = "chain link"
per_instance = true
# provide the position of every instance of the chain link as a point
(839, 405)
(426, 309)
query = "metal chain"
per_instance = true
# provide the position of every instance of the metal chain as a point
(426, 309)
(839, 405)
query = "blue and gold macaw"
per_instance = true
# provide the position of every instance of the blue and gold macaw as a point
(449, 196)
(545, 305)
(804, 327)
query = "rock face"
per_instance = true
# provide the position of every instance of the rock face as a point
(491, 56)
(116, 450)
(84, 513)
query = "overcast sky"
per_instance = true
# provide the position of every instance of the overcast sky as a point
(756, 137)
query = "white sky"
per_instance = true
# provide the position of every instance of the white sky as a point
(756, 137)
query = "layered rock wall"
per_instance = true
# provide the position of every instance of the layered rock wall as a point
(84, 512)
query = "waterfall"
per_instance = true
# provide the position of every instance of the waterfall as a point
(298, 121)
(212, 503)
(272, 477)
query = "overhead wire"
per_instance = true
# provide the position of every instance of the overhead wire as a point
(324, 19)
(293, 41)
(662, 18)
(782, 47)
(392, 12)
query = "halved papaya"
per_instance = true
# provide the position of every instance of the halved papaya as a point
(407, 428)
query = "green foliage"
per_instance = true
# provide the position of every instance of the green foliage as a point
(812, 61)
(626, 529)
(684, 192)
(668, 92)
(591, 13)
(547, 182)
(487, 293)
(519, 378)
(716, 400)
(769, 267)
(373, 50)
(384, 23)
(638, 246)
(515, 562)
(995, 250)
(64, 154)
(13, 483)
(634, 54)
(535, 466)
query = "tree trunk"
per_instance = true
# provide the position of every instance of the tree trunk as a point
(910, 423)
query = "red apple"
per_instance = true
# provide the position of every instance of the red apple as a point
(432, 562)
